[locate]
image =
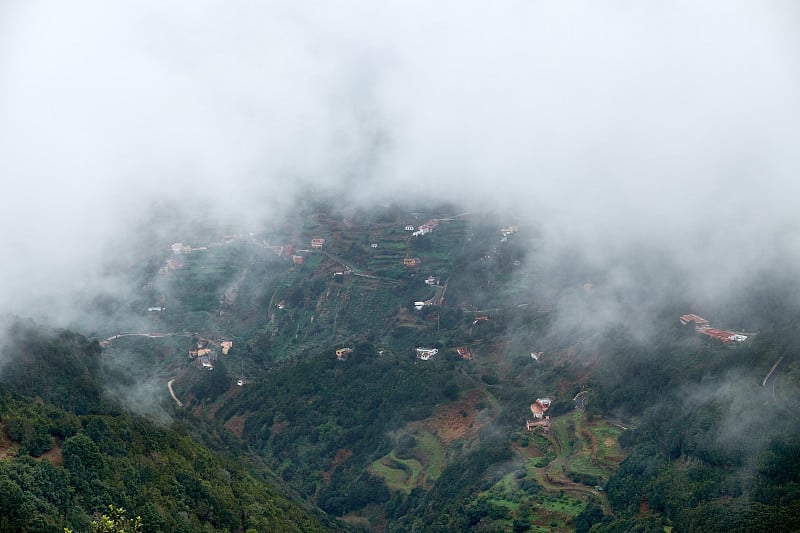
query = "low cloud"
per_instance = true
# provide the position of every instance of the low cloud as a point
(613, 129)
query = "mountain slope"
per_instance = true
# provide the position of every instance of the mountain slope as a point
(67, 453)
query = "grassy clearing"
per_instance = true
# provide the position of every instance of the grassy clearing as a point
(565, 505)
(610, 453)
(421, 466)
(524, 499)
(583, 466)
(510, 505)
(399, 474)
(429, 451)
(397, 245)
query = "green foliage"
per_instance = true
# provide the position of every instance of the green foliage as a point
(311, 409)
(60, 367)
(693, 453)
(171, 481)
(115, 522)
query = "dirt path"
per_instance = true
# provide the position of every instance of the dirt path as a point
(549, 482)
(772, 376)
(172, 393)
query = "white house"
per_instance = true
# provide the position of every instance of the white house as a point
(422, 230)
(180, 248)
(424, 354)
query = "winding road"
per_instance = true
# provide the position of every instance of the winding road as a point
(112, 338)
(580, 400)
(172, 393)
(772, 376)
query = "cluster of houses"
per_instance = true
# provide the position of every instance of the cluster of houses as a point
(205, 353)
(171, 264)
(179, 248)
(703, 327)
(509, 230)
(288, 251)
(423, 229)
(423, 354)
(540, 419)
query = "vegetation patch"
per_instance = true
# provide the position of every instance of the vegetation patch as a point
(236, 424)
(340, 457)
(417, 461)
(457, 420)
(399, 474)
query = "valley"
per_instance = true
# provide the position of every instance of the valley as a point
(384, 366)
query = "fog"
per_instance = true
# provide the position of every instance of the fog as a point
(613, 128)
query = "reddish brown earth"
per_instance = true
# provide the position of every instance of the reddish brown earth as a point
(455, 420)
(53, 455)
(527, 451)
(277, 427)
(236, 425)
(5, 444)
(341, 456)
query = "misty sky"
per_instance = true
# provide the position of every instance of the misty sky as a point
(602, 123)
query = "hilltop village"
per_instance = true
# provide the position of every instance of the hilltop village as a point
(409, 245)
(703, 327)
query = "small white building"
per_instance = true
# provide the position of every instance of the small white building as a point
(424, 354)
(419, 305)
(422, 230)
(409, 228)
(509, 230)
(180, 248)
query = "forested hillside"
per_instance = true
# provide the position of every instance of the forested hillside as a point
(715, 446)
(68, 452)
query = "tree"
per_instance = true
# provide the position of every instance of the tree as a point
(115, 522)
